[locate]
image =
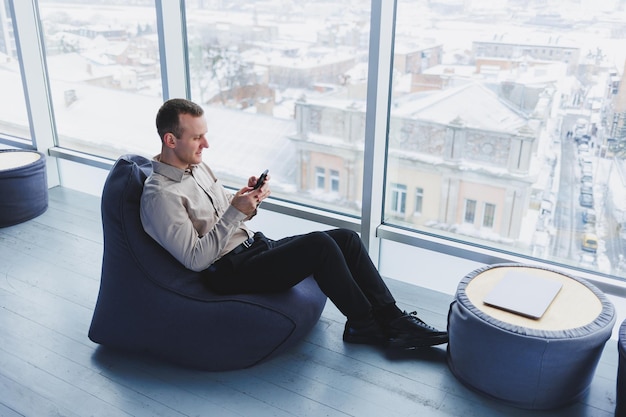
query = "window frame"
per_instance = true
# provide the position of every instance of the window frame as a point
(176, 83)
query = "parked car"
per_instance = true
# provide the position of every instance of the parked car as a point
(589, 242)
(589, 216)
(586, 200)
(587, 178)
(586, 189)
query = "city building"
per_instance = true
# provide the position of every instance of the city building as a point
(453, 168)
(512, 48)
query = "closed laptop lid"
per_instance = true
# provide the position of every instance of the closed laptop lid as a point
(522, 293)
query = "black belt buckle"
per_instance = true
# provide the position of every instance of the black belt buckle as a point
(248, 242)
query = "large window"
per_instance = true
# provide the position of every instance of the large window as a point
(506, 136)
(284, 87)
(519, 126)
(105, 78)
(13, 115)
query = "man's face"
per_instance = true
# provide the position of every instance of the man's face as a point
(188, 148)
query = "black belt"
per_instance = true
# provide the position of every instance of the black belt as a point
(242, 247)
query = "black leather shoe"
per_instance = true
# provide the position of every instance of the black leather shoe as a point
(409, 332)
(369, 334)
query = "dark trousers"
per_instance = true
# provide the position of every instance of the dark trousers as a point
(337, 259)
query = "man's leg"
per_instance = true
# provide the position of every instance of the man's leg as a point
(342, 268)
(365, 274)
(291, 260)
(405, 330)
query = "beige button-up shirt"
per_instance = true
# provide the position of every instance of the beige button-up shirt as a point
(189, 213)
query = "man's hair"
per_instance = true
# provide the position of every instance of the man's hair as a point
(167, 119)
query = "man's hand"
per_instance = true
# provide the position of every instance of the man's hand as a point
(253, 180)
(248, 199)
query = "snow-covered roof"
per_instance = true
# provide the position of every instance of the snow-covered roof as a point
(246, 144)
(473, 104)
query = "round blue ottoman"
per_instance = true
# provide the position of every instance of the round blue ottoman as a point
(620, 403)
(23, 186)
(529, 363)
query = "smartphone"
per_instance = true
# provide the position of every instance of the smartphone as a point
(261, 179)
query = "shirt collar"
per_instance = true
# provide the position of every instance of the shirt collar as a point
(169, 171)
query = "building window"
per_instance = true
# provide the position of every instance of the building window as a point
(398, 198)
(419, 200)
(470, 211)
(320, 178)
(334, 181)
(489, 215)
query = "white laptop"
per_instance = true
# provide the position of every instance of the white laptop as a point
(523, 293)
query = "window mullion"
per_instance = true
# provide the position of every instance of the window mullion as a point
(377, 121)
(173, 48)
(30, 47)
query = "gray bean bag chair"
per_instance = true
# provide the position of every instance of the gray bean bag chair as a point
(148, 302)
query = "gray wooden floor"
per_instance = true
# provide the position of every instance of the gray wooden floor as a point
(49, 277)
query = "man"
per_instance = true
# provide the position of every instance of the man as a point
(185, 208)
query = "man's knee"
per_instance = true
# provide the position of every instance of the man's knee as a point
(345, 236)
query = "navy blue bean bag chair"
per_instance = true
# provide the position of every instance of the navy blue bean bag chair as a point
(620, 397)
(149, 302)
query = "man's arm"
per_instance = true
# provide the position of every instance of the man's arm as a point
(165, 219)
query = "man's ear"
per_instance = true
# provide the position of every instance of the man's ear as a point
(169, 140)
